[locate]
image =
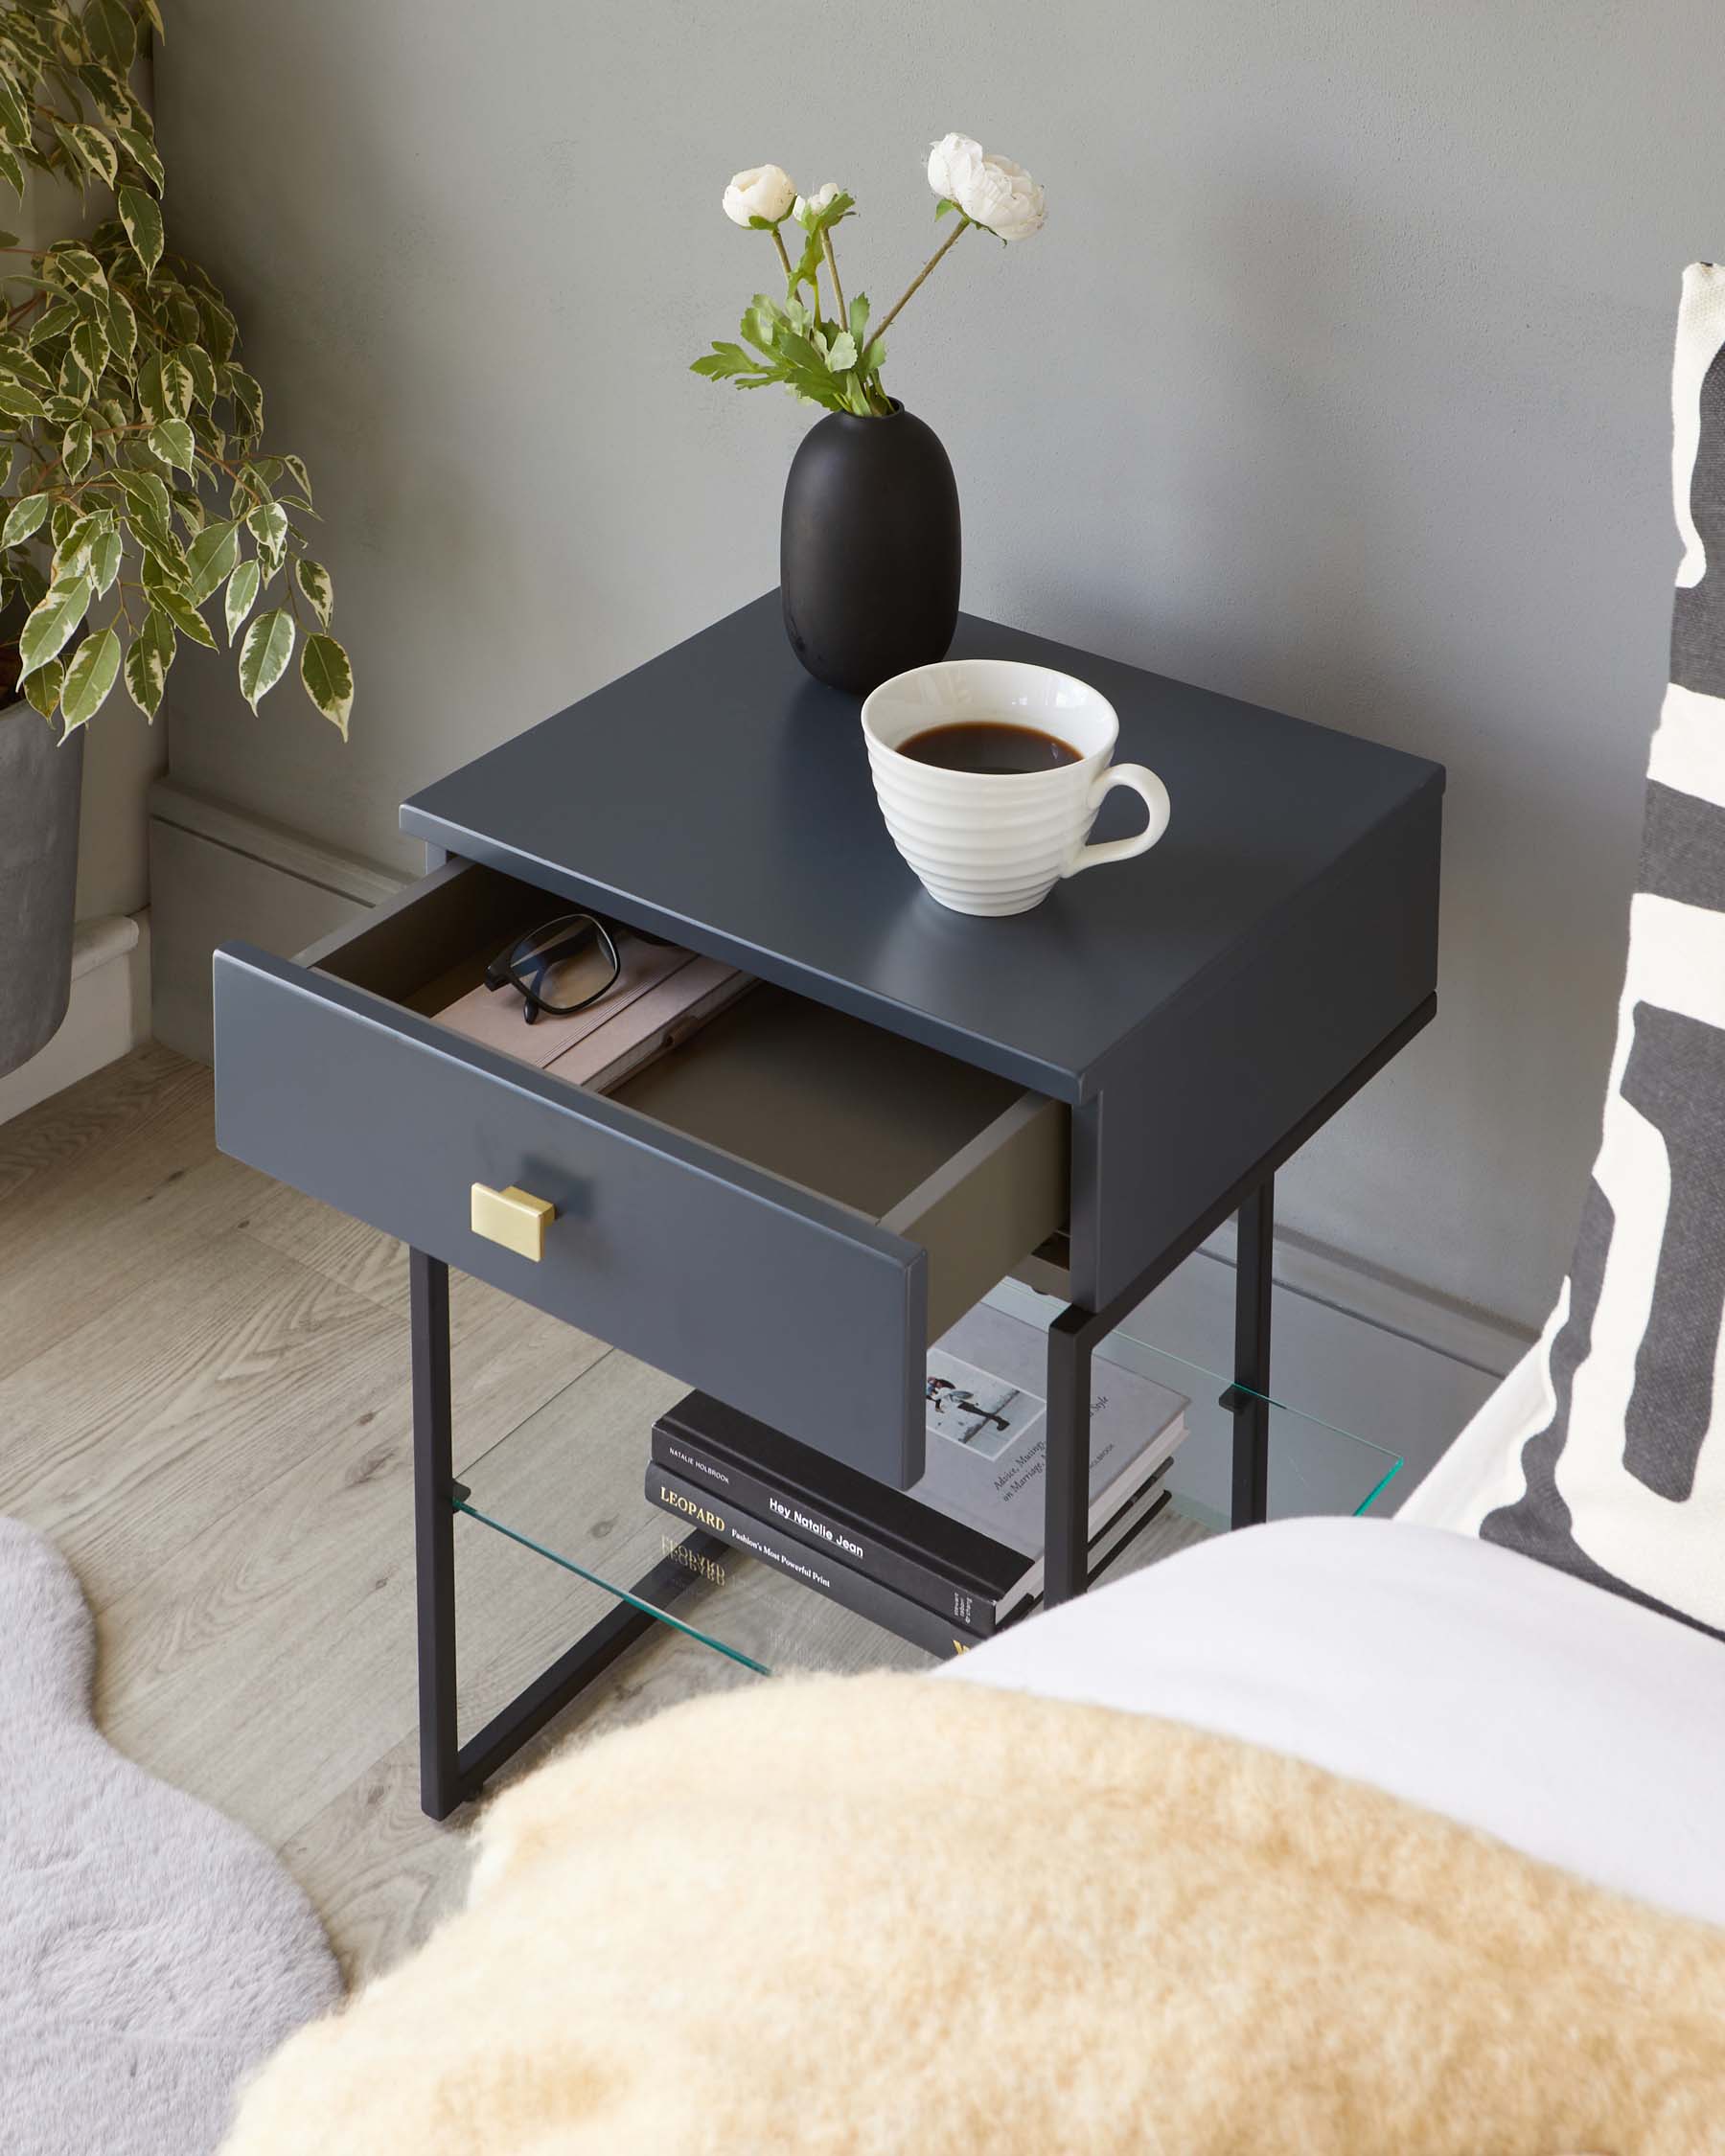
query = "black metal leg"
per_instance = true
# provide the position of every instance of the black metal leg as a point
(434, 1533)
(1252, 1357)
(1066, 1500)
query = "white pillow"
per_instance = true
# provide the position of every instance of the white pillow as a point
(1602, 1452)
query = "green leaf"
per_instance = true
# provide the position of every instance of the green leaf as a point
(56, 321)
(143, 153)
(122, 328)
(242, 594)
(177, 386)
(75, 541)
(180, 612)
(73, 268)
(171, 441)
(44, 633)
(873, 359)
(142, 218)
(76, 446)
(146, 496)
(94, 150)
(111, 33)
(314, 580)
(329, 678)
(198, 365)
(105, 560)
(210, 561)
(148, 659)
(12, 171)
(263, 655)
(44, 686)
(18, 402)
(86, 356)
(859, 318)
(24, 518)
(15, 116)
(841, 354)
(267, 525)
(154, 16)
(93, 672)
(247, 396)
(945, 204)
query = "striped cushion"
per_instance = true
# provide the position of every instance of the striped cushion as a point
(1613, 1466)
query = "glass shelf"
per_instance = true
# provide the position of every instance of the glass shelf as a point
(558, 1526)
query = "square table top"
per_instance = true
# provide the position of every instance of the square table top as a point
(719, 796)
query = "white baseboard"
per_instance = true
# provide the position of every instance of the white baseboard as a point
(217, 874)
(106, 1016)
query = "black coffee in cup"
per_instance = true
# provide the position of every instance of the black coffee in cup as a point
(989, 746)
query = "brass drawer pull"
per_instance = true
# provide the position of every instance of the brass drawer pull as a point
(514, 1218)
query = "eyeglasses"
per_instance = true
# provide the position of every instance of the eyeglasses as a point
(559, 969)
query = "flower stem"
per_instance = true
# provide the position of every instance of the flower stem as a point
(951, 241)
(779, 244)
(833, 269)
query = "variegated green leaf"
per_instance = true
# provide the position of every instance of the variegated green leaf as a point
(76, 446)
(56, 321)
(52, 621)
(301, 477)
(73, 268)
(184, 616)
(202, 368)
(142, 218)
(73, 552)
(105, 550)
(12, 171)
(315, 582)
(24, 518)
(147, 658)
(122, 328)
(263, 655)
(171, 441)
(241, 594)
(267, 525)
(329, 679)
(17, 402)
(143, 153)
(210, 561)
(44, 686)
(177, 386)
(93, 672)
(111, 33)
(95, 152)
(15, 118)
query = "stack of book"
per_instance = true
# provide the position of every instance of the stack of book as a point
(947, 1562)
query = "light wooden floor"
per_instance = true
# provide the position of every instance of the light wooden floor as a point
(204, 1401)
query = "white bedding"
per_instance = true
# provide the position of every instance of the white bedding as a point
(1567, 1722)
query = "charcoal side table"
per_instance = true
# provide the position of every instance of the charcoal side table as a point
(1100, 1083)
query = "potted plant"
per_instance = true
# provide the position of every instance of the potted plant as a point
(869, 551)
(141, 507)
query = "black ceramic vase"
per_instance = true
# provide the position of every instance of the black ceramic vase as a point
(869, 549)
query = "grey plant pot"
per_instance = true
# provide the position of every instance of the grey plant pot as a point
(40, 786)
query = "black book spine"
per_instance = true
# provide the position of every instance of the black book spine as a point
(802, 1519)
(695, 1505)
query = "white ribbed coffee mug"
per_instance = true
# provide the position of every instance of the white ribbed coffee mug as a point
(997, 842)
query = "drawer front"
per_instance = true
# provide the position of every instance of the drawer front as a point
(780, 1302)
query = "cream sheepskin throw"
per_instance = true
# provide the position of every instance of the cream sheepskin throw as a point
(876, 1913)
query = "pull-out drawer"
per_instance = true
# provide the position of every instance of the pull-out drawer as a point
(783, 1210)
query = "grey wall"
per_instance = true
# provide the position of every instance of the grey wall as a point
(1337, 381)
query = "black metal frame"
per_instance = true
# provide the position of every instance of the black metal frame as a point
(452, 1772)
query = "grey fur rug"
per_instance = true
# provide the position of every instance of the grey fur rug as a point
(151, 1952)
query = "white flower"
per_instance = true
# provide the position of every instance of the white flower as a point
(804, 208)
(991, 190)
(764, 190)
(947, 158)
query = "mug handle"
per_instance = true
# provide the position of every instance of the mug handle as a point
(1154, 796)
